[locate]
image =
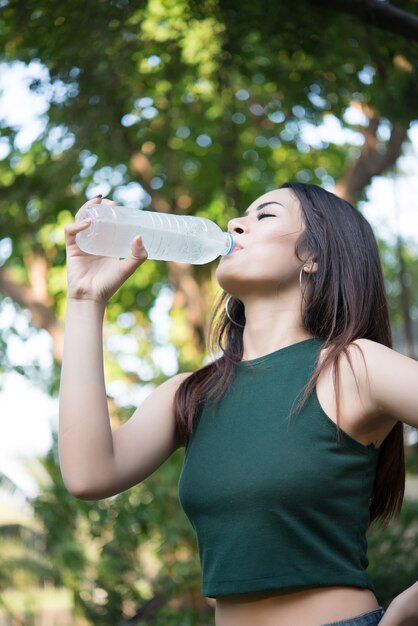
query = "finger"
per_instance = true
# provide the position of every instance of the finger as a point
(136, 257)
(96, 200)
(72, 229)
(138, 252)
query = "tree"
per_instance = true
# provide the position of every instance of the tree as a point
(207, 102)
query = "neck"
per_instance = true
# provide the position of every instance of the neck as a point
(272, 324)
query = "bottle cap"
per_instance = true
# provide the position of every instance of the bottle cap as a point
(229, 242)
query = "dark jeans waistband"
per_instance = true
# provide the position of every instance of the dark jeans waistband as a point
(371, 618)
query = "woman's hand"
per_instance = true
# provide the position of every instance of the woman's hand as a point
(92, 277)
(403, 610)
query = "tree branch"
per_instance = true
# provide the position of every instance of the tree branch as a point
(41, 311)
(372, 161)
(379, 14)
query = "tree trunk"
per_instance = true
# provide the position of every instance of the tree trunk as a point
(188, 293)
(34, 297)
(405, 300)
(373, 161)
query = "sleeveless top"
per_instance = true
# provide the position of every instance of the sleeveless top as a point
(276, 500)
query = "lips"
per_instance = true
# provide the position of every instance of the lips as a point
(237, 247)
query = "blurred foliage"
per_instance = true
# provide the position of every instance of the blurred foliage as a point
(24, 563)
(393, 554)
(390, 261)
(183, 106)
(119, 553)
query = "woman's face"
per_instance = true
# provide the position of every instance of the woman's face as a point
(265, 235)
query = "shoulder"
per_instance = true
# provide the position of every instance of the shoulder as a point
(365, 381)
(392, 379)
(363, 356)
(348, 373)
(177, 379)
(173, 383)
(371, 349)
(163, 395)
(379, 361)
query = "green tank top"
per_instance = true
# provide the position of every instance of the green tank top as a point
(276, 502)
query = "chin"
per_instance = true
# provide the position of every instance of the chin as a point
(225, 279)
(231, 283)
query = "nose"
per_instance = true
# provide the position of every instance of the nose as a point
(236, 225)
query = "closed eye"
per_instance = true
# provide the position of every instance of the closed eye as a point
(261, 215)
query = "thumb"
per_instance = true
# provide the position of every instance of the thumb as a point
(136, 257)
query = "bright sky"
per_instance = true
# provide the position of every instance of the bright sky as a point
(27, 415)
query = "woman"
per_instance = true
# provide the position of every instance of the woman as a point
(293, 436)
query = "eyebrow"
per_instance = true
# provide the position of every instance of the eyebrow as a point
(261, 206)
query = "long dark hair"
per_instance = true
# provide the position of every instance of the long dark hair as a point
(346, 301)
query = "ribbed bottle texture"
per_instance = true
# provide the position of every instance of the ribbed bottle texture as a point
(166, 237)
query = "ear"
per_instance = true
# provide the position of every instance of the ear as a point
(311, 266)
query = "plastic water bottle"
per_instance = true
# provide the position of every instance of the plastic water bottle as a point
(166, 237)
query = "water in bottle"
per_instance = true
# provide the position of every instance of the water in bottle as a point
(166, 237)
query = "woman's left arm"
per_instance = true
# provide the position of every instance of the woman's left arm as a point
(393, 388)
(403, 610)
(393, 382)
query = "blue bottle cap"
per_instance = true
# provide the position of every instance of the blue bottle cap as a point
(231, 243)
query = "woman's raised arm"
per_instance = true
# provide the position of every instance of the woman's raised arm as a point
(96, 462)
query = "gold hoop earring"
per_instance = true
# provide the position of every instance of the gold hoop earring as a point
(303, 289)
(228, 315)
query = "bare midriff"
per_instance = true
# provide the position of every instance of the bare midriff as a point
(307, 607)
